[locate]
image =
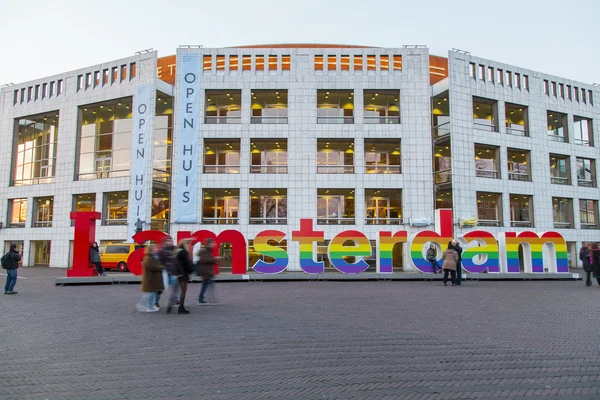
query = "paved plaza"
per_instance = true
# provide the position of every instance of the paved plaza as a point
(303, 340)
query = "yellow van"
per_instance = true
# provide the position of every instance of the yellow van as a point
(114, 255)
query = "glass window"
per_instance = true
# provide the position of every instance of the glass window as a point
(132, 71)
(517, 80)
(17, 213)
(473, 70)
(268, 156)
(123, 72)
(207, 62)
(521, 210)
(371, 63)
(508, 79)
(557, 126)
(161, 207)
(481, 72)
(591, 97)
(246, 63)
(358, 63)
(221, 63)
(318, 63)
(485, 113)
(382, 156)
(84, 202)
(586, 172)
(269, 107)
(441, 115)
(285, 63)
(345, 63)
(272, 63)
(500, 76)
(576, 92)
(268, 206)
(105, 134)
(115, 208)
(582, 131)
(569, 92)
(588, 212)
(331, 63)
(561, 90)
(381, 106)
(526, 82)
(490, 75)
(223, 107)
(487, 161)
(384, 62)
(335, 156)
(222, 156)
(34, 153)
(553, 88)
(546, 87)
(43, 208)
(562, 212)
(516, 119)
(397, 62)
(163, 138)
(335, 206)
(489, 209)
(443, 199)
(220, 206)
(442, 163)
(383, 206)
(583, 98)
(518, 165)
(259, 63)
(335, 106)
(233, 63)
(560, 170)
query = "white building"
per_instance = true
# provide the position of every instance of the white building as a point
(352, 137)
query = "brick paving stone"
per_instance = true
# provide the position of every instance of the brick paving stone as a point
(303, 340)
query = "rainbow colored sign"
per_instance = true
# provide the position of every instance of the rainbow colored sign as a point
(545, 252)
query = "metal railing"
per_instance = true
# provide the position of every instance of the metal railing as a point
(558, 180)
(382, 169)
(518, 176)
(335, 169)
(566, 225)
(521, 224)
(582, 142)
(220, 221)
(585, 183)
(444, 176)
(383, 221)
(441, 130)
(33, 181)
(381, 120)
(485, 127)
(335, 120)
(104, 175)
(517, 132)
(335, 221)
(221, 169)
(556, 138)
(486, 173)
(115, 221)
(160, 175)
(222, 120)
(488, 222)
(268, 169)
(269, 120)
(42, 224)
(159, 225)
(587, 225)
(267, 221)
(16, 224)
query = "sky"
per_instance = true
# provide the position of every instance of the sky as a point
(39, 38)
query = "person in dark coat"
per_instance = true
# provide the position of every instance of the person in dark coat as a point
(207, 262)
(432, 258)
(11, 264)
(95, 259)
(450, 265)
(596, 262)
(166, 257)
(183, 269)
(459, 250)
(152, 281)
(585, 255)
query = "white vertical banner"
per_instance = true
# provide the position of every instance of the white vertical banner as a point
(186, 182)
(140, 157)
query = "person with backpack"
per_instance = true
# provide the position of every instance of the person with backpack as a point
(206, 268)
(95, 258)
(183, 269)
(10, 262)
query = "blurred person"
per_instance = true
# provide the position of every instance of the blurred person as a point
(206, 268)
(183, 267)
(95, 259)
(459, 250)
(585, 255)
(10, 262)
(166, 257)
(152, 282)
(596, 262)
(450, 265)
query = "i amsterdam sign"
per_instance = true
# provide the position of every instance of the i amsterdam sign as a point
(483, 251)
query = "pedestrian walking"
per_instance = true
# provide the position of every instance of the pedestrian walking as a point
(183, 266)
(459, 250)
(152, 282)
(450, 265)
(596, 262)
(585, 255)
(432, 258)
(206, 263)
(10, 262)
(95, 259)
(166, 257)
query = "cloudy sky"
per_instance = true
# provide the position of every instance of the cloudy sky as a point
(40, 37)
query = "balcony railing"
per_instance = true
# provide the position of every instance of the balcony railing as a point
(267, 221)
(220, 221)
(485, 173)
(444, 176)
(33, 181)
(518, 176)
(556, 138)
(335, 169)
(335, 120)
(488, 222)
(585, 183)
(441, 130)
(485, 127)
(381, 120)
(104, 175)
(382, 169)
(221, 169)
(587, 225)
(269, 120)
(517, 131)
(383, 221)
(335, 221)
(559, 180)
(115, 221)
(159, 175)
(16, 224)
(42, 224)
(268, 169)
(222, 120)
(564, 225)
(582, 142)
(521, 224)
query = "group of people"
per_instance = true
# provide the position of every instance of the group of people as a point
(452, 262)
(589, 254)
(177, 263)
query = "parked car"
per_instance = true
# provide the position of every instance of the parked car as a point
(114, 255)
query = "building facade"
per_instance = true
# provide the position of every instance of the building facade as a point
(352, 137)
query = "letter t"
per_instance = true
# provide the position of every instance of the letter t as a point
(306, 236)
